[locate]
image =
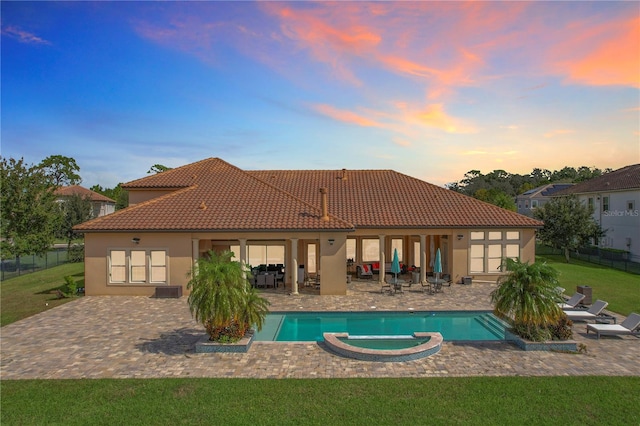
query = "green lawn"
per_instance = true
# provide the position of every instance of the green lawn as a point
(450, 401)
(29, 294)
(620, 289)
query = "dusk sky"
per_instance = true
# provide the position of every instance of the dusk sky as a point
(429, 89)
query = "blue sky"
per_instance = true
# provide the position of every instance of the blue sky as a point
(429, 89)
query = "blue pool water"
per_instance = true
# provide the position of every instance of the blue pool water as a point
(309, 326)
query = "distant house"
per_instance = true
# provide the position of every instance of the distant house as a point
(538, 197)
(305, 221)
(100, 205)
(615, 198)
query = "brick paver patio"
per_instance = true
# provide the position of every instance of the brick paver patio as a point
(126, 337)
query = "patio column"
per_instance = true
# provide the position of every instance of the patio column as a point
(243, 254)
(294, 266)
(423, 258)
(382, 272)
(195, 251)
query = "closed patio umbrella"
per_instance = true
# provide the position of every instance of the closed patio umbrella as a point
(395, 265)
(437, 265)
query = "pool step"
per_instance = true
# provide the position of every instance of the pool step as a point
(493, 324)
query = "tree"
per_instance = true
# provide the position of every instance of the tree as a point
(496, 197)
(75, 210)
(30, 215)
(158, 168)
(222, 299)
(61, 170)
(528, 298)
(568, 224)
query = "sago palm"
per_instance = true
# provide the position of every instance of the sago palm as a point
(222, 299)
(528, 297)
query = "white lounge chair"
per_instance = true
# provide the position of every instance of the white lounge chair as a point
(592, 313)
(628, 326)
(572, 302)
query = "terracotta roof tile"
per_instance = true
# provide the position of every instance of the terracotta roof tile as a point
(622, 179)
(385, 198)
(215, 195)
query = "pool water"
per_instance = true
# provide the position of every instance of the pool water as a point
(309, 326)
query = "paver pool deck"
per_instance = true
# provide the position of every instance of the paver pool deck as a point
(142, 337)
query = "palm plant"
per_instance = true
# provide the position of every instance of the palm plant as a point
(528, 298)
(222, 299)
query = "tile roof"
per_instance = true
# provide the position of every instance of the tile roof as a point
(388, 199)
(626, 178)
(67, 191)
(214, 195)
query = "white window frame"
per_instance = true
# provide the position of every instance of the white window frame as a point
(491, 250)
(127, 267)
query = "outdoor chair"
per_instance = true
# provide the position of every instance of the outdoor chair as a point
(594, 312)
(628, 326)
(572, 302)
(364, 271)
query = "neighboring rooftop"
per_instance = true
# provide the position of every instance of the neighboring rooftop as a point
(546, 190)
(68, 191)
(622, 179)
(214, 195)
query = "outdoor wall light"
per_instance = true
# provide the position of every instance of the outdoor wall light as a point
(135, 240)
(331, 241)
(460, 236)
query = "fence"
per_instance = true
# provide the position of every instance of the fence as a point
(593, 255)
(10, 268)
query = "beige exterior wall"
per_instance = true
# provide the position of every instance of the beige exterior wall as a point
(331, 255)
(137, 196)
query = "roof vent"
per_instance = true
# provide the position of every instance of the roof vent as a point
(344, 174)
(202, 206)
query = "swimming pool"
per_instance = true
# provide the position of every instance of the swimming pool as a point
(309, 326)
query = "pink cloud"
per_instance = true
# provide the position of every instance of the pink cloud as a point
(23, 36)
(345, 116)
(601, 55)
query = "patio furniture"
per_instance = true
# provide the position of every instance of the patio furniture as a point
(364, 271)
(393, 284)
(436, 283)
(593, 313)
(628, 326)
(572, 302)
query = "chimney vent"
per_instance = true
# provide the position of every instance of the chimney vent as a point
(324, 204)
(344, 174)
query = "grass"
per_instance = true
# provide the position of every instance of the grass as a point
(450, 401)
(620, 289)
(33, 293)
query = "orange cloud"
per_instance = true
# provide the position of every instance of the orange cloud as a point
(435, 116)
(345, 116)
(608, 54)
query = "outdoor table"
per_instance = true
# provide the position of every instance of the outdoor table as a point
(436, 283)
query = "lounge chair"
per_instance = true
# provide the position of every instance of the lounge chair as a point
(595, 311)
(573, 302)
(628, 326)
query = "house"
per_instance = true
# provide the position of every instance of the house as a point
(100, 205)
(310, 221)
(528, 201)
(615, 198)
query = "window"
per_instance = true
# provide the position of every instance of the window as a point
(590, 203)
(416, 253)
(605, 204)
(158, 266)
(262, 254)
(494, 257)
(351, 249)
(370, 250)
(311, 258)
(486, 257)
(117, 266)
(534, 204)
(477, 258)
(631, 205)
(477, 235)
(396, 244)
(138, 264)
